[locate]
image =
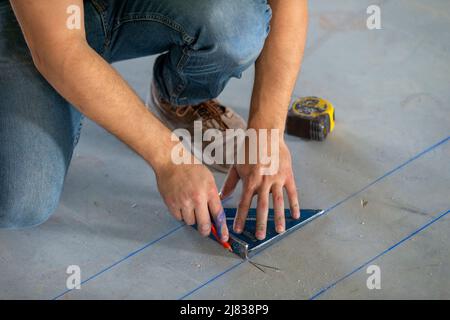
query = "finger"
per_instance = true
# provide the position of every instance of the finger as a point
(291, 191)
(278, 208)
(218, 214)
(230, 183)
(244, 206)
(188, 215)
(177, 214)
(202, 217)
(174, 209)
(262, 212)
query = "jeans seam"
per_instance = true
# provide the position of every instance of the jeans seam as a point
(175, 97)
(187, 39)
(101, 9)
(76, 138)
(184, 58)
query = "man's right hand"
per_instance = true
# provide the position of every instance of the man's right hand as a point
(190, 193)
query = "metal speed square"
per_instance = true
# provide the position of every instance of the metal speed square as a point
(246, 245)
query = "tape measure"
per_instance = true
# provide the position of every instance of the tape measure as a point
(311, 118)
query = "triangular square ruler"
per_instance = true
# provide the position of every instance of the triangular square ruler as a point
(246, 245)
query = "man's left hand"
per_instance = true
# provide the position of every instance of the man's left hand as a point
(254, 182)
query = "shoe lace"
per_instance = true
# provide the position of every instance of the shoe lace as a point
(208, 110)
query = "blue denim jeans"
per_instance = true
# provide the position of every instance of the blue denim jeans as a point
(203, 43)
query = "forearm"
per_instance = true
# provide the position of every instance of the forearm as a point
(99, 92)
(79, 74)
(277, 67)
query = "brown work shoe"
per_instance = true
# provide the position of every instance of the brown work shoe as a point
(211, 113)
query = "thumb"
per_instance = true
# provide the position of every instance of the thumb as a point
(230, 183)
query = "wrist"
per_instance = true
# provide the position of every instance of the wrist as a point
(157, 145)
(269, 125)
(166, 157)
(267, 118)
(159, 157)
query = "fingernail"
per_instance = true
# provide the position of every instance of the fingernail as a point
(280, 229)
(219, 221)
(260, 236)
(237, 227)
(225, 198)
(205, 228)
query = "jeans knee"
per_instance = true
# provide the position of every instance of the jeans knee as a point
(236, 29)
(17, 212)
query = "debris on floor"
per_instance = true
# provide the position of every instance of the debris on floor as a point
(364, 203)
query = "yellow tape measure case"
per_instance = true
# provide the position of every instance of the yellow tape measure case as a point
(311, 118)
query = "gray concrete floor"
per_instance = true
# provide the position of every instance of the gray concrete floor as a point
(391, 90)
